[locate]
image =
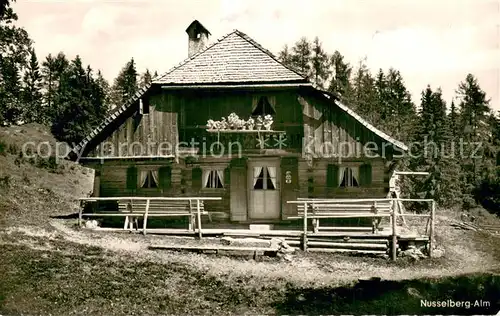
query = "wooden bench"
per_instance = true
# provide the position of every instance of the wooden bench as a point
(133, 208)
(322, 208)
(160, 208)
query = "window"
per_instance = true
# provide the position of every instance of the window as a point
(148, 179)
(263, 107)
(264, 178)
(349, 177)
(143, 107)
(213, 179)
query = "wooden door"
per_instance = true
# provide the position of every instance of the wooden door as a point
(264, 190)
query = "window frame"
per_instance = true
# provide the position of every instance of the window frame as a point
(149, 176)
(269, 104)
(350, 181)
(265, 179)
(212, 172)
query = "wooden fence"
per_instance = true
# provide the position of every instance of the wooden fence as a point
(393, 215)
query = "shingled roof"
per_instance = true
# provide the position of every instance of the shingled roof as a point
(233, 58)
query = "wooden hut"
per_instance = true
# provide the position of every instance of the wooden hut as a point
(160, 144)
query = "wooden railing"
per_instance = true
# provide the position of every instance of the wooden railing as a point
(307, 204)
(289, 138)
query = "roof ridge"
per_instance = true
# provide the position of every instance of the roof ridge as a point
(185, 61)
(266, 51)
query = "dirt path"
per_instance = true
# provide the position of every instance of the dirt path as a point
(462, 256)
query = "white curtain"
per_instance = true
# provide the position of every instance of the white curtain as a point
(155, 176)
(271, 172)
(204, 178)
(341, 174)
(220, 173)
(143, 177)
(255, 102)
(256, 173)
(272, 102)
(355, 174)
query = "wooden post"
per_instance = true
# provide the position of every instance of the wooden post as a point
(431, 230)
(190, 224)
(199, 217)
(145, 220)
(394, 236)
(315, 221)
(304, 237)
(80, 214)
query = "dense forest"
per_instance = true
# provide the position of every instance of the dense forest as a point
(463, 160)
(457, 143)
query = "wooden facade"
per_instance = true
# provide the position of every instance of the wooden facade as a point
(158, 143)
(174, 117)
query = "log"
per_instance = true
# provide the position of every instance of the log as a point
(364, 245)
(353, 251)
(235, 251)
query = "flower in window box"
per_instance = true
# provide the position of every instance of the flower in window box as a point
(242, 124)
(259, 123)
(268, 121)
(211, 125)
(223, 124)
(233, 120)
(250, 124)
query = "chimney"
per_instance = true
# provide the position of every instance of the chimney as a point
(198, 37)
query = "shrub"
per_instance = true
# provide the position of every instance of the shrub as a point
(5, 181)
(12, 149)
(47, 163)
(26, 179)
(488, 192)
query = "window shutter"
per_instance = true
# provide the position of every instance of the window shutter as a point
(365, 174)
(332, 176)
(196, 178)
(165, 174)
(310, 186)
(227, 177)
(132, 178)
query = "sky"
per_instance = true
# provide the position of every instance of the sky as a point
(436, 42)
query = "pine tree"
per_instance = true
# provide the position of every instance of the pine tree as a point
(436, 152)
(320, 65)
(364, 94)
(105, 90)
(300, 58)
(32, 94)
(285, 57)
(145, 79)
(53, 69)
(382, 97)
(14, 50)
(340, 83)
(474, 113)
(10, 100)
(399, 110)
(81, 103)
(125, 85)
(453, 119)
(488, 191)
